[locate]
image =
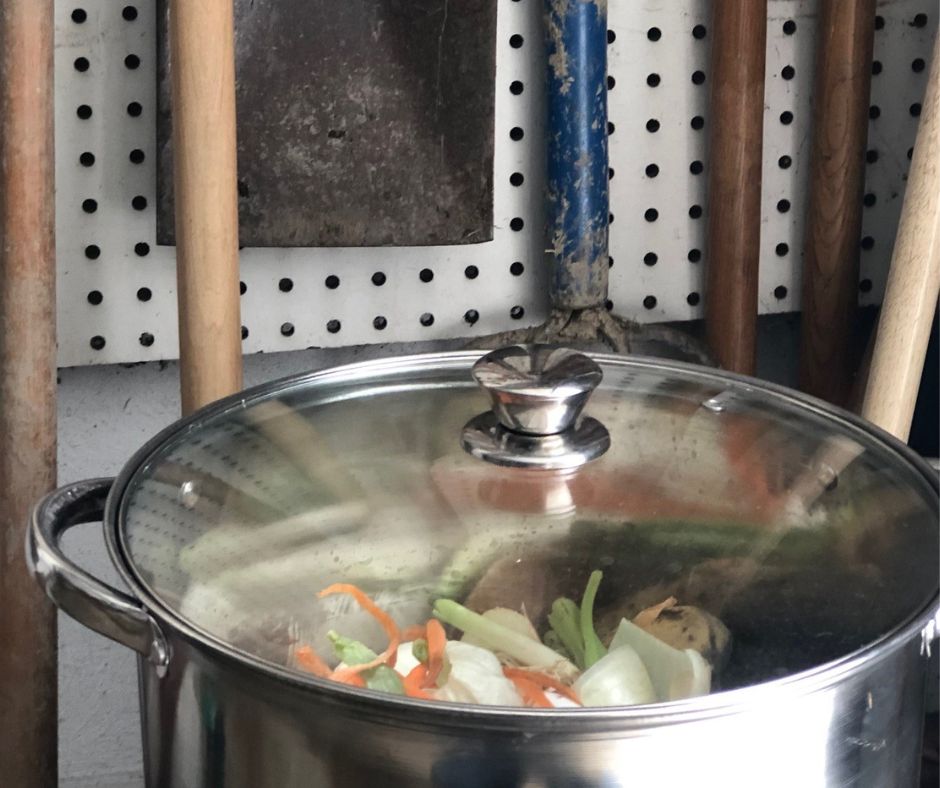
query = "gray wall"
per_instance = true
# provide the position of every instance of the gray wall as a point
(105, 414)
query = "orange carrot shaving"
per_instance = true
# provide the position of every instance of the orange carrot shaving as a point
(542, 680)
(531, 693)
(310, 661)
(437, 640)
(388, 656)
(415, 632)
(414, 682)
(348, 676)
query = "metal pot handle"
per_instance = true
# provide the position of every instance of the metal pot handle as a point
(95, 604)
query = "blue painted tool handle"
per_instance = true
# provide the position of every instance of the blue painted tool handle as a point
(579, 201)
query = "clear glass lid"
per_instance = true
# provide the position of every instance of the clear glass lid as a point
(785, 534)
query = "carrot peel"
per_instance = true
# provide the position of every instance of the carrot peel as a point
(309, 660)
(531, 693)
(387, 657)
(541, 680)
(437, 640)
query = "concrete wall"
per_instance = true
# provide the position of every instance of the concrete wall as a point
(105, 414)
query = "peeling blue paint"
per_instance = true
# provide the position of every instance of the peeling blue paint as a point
(579, 200)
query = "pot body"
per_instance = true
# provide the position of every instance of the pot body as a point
(210, 721)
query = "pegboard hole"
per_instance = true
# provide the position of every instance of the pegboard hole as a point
(920, 20)
(697, 123)
(780, 292)
(332, 282)
(378, 278)
(134, 109)
(83, 111)
(652, 170)
(136, 156)
(471, 316)
(129, 13)
(516, 133)
(910, 154)
(81, 64)
(517, 312)
(287, 329)
(516, 87)
(869, 200)
(788, 72)
(784, 162)
(876, 67)
(516, 224)
(695, 255)
(94, 297)
(698, 77)
(651, 214)
(649, 302)
(914, 109)
(144, 294)
(379, 323)
(517, 269)
(92, 252)
(611, 128)
(516, 41)
(696, 167)
(146, 339)
(692, 299)
(874, 112)
(653, 80)
(242, 288)
(610, 173)
(132, 62)
(87, 159)
(879, 22)
(654, 34)
(611, 36)
(471, 272)
(97, 342)
(611, 82)
(610, 218)
(517, 179)
(333, 326)
(782, 249)
(871, 156)
(285, 284)
(141, 249)
(868, 243)
(650, 258)
(244, 333)
(139, 203)
(610, 262)
(425, 275)
(652, 125)
(79, 16)
(426, 320)
(918, 65)
(789, 27)
(695, 212)
(699, 32)
(89, 205)
(783, 206)
(786, 117)
(865, 285)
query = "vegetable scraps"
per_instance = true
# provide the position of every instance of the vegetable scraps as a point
(500, 659)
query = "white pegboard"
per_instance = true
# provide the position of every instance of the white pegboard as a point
(125, 295)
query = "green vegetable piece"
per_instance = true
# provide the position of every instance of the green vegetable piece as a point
(551, 639)
(565, 621)
(352, 652)
(419, 650)
(593, 648)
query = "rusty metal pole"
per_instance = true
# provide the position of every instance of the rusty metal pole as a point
(834, 217)
(28, 687)
(736, 119)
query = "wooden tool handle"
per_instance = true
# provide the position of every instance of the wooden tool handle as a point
(736, 119)
(28, 704)
(206, 199)
(913, 281)
(834, 217)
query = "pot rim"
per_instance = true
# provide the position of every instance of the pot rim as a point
(719, 704)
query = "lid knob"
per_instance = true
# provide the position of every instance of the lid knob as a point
(538, 393)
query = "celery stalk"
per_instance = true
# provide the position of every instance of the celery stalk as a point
(499, 638)
(564, 619)
(593, 648)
